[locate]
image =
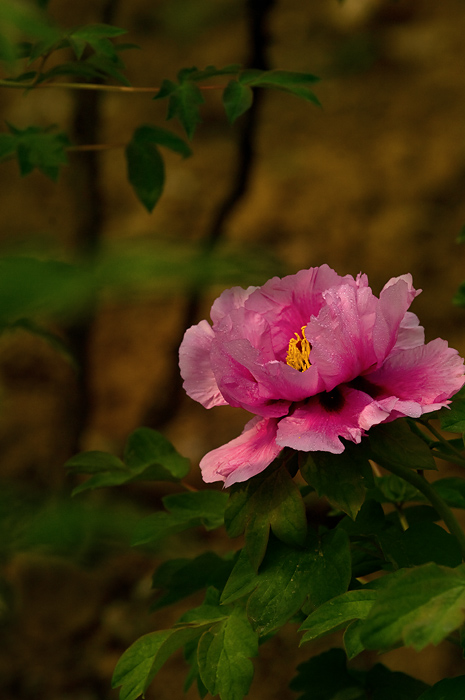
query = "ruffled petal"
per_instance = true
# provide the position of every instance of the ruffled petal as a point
(341, 335)
(228, 301)
(196, 370)
(410, 333)
(427, 375)
(394, 300)
(245, 456)
(318, 425)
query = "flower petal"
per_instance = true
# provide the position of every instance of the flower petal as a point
(228, 301)
(245, 456)
(341, 335)
(427, 375)
(410, 333)
(394, 300)
(318, 427)
(194, 362)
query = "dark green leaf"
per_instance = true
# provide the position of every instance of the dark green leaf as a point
(452, 490)
(148, 455)
(343, 479)
(223, 656)
(289, 81)
(459, 297)
(185, 510)
(461, 237)
(36, 148)
(337, 612)
(426, 542)
(91, 32)
(421, 606)
(453, 418)
(325, 677)
(184, 101)
(146, 447)
(270, 499)
(179, 578)
(393, 489)
(394, 443)
(208, 72)
(108, 67)
(289, 576)
(352, 641)
(146, 172)
(237, 99)
(384, 684)
(141, 662)
(7, 145)
(447, 689)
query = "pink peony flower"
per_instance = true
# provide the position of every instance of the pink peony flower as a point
(316, 357)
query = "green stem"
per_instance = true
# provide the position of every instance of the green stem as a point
(443, 440)
(448, 457)
(436, 501)
(91, 86)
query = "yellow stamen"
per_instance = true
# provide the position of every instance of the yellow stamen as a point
(297, 357)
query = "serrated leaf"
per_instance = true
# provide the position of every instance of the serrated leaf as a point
(269, 500)
(141, 662)
(447, 689)
(394, 443)
(237, 99)
(223, 656)
(422, 606)
(343, 479)
(338, 612)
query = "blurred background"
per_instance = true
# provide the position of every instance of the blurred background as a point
(373, 181)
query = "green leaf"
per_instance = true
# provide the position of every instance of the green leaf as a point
(92, 32)
(289, 81)
(148, 455)
(452, 490)
(146, 170)
(108, 67)
(394, 443)
(461, 236)
(337, 613)
(459, 297)
(179, 578)
(352, 641)
(237, 99)
(185, 510)
(53, 340)
(208, 72)
(426, 542)
(184, 101)
(288, 576)
(325, 677)
(141, 662)
(453, 419)
(384, 684)
(36, 148)
(146, 447)
(223, 656)
(421, 606)
(447, 689)
(343, 479)
(269, 500)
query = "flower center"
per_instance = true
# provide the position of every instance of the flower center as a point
(298, 352)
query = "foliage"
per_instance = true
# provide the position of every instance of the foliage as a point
(377, 567)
